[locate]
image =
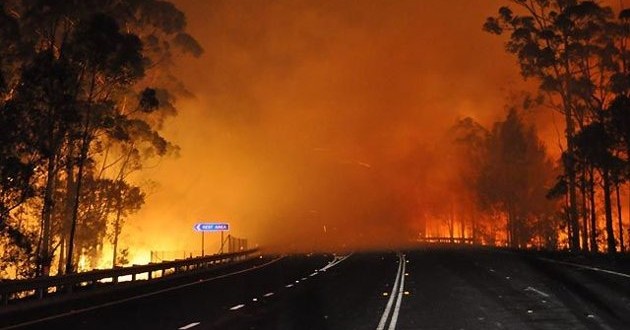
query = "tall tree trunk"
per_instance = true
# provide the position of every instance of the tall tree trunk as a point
(510, 228)
(116, 230)
(85, 147)
(584, 210)
(45, 257)
(67, 215)
(451, 224)
(573, 212)
(610, 233)
(462, 224)
(473, 224)
(591, 185)
(62, 251)
(574, 225)
(620, 219)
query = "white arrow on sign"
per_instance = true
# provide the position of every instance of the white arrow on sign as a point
(211, 226)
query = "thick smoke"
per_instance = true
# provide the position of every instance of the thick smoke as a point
(316, 123)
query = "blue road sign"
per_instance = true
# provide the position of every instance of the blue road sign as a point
(211, 226)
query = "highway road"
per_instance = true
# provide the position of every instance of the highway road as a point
(426, 288)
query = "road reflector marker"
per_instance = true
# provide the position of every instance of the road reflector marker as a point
(406, 293)
(190, 325)
(385, 294)
(529, 311)
(233, 308)
(255, 299)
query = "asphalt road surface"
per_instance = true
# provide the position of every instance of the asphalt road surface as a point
(428, 288)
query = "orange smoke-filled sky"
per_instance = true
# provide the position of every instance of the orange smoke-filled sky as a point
(310, 117)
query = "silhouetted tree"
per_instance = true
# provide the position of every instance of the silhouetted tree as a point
(469, 139)
(514, 179)
(566, 45)
(78, 87)
(594, 145)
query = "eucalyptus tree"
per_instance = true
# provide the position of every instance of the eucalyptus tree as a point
(595, 145)
(469, 140)
(87, 75)
(566, 46)
(620, 129)
(514, 177)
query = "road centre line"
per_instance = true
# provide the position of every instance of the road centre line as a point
(188, 326)
(401, 288)
(145, 295)
(390, 301)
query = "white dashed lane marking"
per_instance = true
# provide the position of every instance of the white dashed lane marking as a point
(188, 326)
(529, 288)
(237, 307)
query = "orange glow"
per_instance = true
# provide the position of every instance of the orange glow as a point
(311, 115)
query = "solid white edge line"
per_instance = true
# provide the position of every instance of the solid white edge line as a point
(388, 307)
(585, 267)
(188, 326)
(149, 294)
(394, 320)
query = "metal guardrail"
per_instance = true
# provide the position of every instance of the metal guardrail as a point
(452, 240)
(42, 286)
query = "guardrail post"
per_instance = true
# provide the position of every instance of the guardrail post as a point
(40, 293)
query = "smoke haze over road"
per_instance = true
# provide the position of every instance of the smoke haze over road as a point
(315, 123)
